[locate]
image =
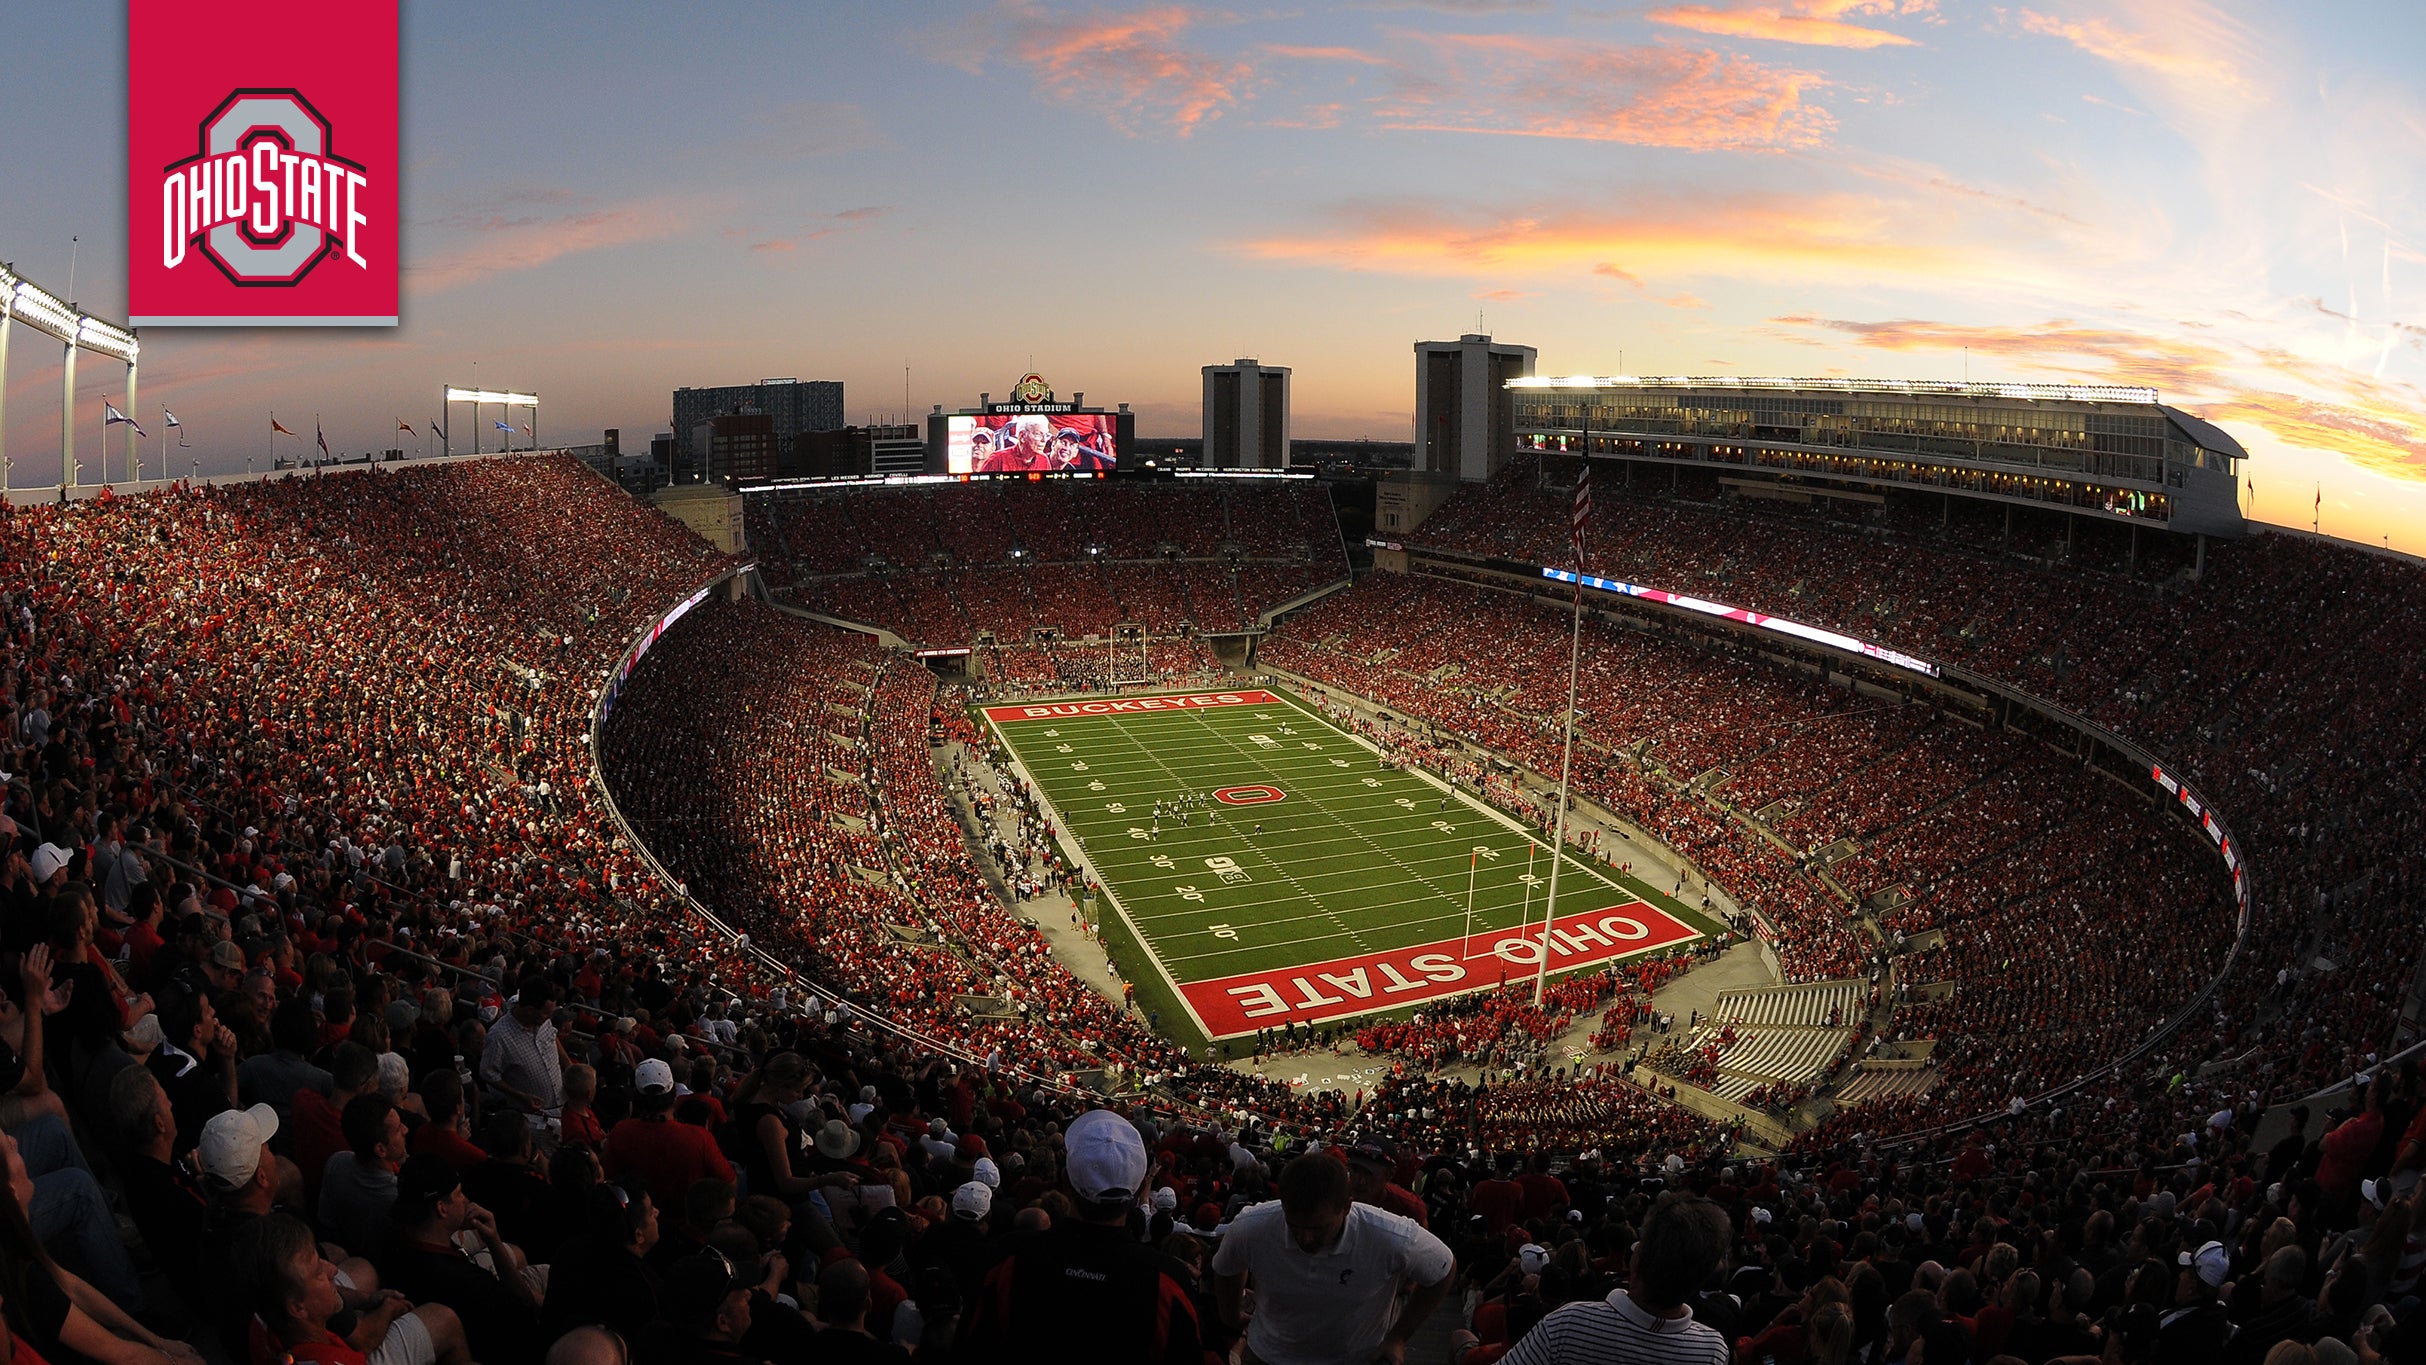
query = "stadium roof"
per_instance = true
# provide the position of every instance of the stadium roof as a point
(2069, 393)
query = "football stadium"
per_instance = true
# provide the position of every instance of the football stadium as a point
(1851, 867)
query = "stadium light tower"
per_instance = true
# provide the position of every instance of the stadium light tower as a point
(22, 300)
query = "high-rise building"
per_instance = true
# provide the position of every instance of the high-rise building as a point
(793, 405)
(736, 445)
(1246, 416)
(1465, 424)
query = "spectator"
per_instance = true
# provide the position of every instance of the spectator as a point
(358, 1186)
(1683, 1243)
(667, 1156)
(1327, 1272)
(440, 1236)
(1089, 1269)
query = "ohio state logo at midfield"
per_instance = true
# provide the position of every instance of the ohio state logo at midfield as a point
(265, 198)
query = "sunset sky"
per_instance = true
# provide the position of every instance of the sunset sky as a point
(605, 200)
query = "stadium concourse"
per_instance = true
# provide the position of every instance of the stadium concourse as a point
(321, 927)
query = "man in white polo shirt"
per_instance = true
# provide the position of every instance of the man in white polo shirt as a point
(1650, 1322)
(1327, 1272)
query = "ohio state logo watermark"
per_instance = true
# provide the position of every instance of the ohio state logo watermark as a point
(263, 177)
(266, 197)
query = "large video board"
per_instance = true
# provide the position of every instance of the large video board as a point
(1030, 442)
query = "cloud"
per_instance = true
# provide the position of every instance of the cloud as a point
(1786, 237)
(499, 244)
(1468, 7)
(2374, 424)
(1507, 295)
(868, 214)
(1814, 23)
(776, 244)
(2193, 48)
(1355, 56)
(1649, 96)
(1682, 301)
(1131, 68)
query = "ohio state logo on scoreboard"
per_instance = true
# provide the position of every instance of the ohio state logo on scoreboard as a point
(262, 164)
(266, 197)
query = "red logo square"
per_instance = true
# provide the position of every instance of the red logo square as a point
(262, 167)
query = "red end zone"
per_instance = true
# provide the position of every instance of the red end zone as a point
(1235, 1005)
(1122, 706)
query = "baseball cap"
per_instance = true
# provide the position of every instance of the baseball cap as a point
(1532, 1257)
(47, 861)
(231, 1144)
(424, 1179)
(1106, 1157)
(654, 1077)
(938, 1129)
(696, 1285)
(972, 1201)
(971, 1147)
(985, 1170)
(228, 955)
(2210, 1261)
(1166, 1200)
(1373, 1150)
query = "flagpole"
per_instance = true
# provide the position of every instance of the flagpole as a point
(1472, 858)
(1566, 761)
(1525, 918)
(1566, 769)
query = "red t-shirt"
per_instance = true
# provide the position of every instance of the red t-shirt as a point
(1499, 1202)
(319, 1133)
(670, 1156)
(446, 1142)
(581, 1125)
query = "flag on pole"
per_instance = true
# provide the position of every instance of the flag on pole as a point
(171, 419)
(322, 438)
(503, 427)
(526, 430)
(1583, 512)
(440, 428)
(110, 417)
(277, 430)
(406, 427)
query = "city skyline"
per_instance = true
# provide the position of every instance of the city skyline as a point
(608, 202)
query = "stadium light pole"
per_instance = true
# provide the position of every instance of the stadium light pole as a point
(1533, 846)
(1566, 762)
(1474, 857)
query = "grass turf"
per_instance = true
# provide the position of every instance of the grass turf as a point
(1357, 857)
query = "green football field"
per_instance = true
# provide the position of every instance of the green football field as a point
(1290, 876)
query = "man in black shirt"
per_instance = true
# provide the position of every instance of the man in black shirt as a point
(499, 1309)
(1132, 1300)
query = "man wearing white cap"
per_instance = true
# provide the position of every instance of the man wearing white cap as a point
(1327, 1272)
(1088, 1278)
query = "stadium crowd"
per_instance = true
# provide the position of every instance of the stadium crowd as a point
(326, 963)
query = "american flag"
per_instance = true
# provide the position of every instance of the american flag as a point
(1583, 512)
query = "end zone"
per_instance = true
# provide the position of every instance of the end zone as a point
(1232, 1006)
(1122, 706)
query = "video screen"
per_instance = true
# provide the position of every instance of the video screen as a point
(1021, 443)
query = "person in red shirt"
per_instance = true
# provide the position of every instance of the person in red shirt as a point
(2349, 1147)
(318, 1123)
(1545, 1194)
(1371, 1162)
(445, 1134)
(1498, 1200)
(579, 1123)
(670, 1157)
(294, 1293)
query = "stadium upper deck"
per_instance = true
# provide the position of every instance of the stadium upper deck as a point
(2103, 451)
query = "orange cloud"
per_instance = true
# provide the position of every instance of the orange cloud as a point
(1768, 236)
(1601, 92)
(2373, 424)
(504, 244)
(1813, 23)
(1130, 67)
(2191, 52)
(1327, 54)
